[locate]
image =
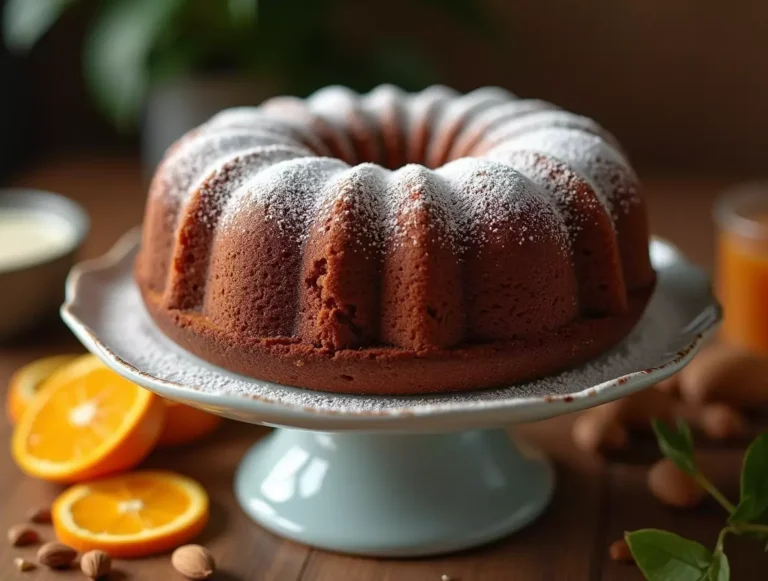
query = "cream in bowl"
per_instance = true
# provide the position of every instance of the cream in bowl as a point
(39, 235)
(28, 237)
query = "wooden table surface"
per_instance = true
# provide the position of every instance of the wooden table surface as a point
(596, 500)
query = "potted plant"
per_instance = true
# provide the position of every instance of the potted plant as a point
(179, 61)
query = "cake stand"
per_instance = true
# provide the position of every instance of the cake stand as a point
(387, 476)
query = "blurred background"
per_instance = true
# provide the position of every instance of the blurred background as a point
(682, 84)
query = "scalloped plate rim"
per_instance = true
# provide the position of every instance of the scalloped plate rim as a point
(441, 415)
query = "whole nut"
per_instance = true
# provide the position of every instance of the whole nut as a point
(670, 386)
(720, 421)
(728, 374)
(593, 433)
(193, 561)
(56, 555)
(41, 515)
(619, 551)
(672, 486)
(95, 564)
(22, 535)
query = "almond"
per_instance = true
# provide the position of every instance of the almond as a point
(22, 535)
(194, 562)
(593, 433)
(672, 486)
(56, 555)
(720, 421)
(95, 564)
(728, 374)
(41, 515)
(619, 551)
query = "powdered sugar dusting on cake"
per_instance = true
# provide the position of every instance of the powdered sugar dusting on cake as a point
(537, 120)
(288, 192)
(475, 130)
(458, 198)
(456, 114)
(342, 107)
(465, 106)
(352, 199)
(414, 196)
(489, 193)
(199, 155)
(420, 109)
(335, 104)
(232, 175)
(431, 95)
(605, 168)
(125, 326)
(258, 119)
(383, 96)
(563, 183)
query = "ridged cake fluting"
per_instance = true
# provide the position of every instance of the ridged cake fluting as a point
(394, 242)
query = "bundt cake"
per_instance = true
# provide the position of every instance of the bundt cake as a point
(396, 243)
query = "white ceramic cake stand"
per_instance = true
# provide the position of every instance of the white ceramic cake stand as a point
(387, 476)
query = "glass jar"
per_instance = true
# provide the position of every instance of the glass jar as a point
(741, 217)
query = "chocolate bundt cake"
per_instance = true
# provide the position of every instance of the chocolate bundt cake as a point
(396, 243)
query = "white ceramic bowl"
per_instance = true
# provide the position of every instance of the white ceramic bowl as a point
(34, 291)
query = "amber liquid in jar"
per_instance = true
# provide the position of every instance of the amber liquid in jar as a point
(742, 266)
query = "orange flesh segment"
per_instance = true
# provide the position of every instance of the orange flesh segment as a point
(131, 515)
(129, 507)
(78, 420)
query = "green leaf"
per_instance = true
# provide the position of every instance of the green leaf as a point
(117, 53)
(242, 13)
(665, 556)
(26, 21)
(719, 569)
(677, 445)
(754, 482)
(746, 510)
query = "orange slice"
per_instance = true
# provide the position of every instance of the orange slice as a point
(131, 515)
(86, 422)
(185, 424)
(27, 380)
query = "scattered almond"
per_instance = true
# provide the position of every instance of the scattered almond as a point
(672, 486)
(636, 410)
(728, 374)
(193, 561)
(22, 535)
(95, 564)
(23, 565)
(720, 421)
(41, 515)
(619, 551)
(670, 385)
(607, 427)
(596, 434)
(56, 555)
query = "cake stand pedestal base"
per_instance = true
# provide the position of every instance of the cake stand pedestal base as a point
(393, 495)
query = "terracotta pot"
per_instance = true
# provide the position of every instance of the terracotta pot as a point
(175, 107)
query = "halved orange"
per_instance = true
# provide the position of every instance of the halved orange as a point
(131, 515)
(185, 424)
(87, 422)
(27, 380)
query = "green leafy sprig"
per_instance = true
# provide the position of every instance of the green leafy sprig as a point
(133, 45)
(665, 556)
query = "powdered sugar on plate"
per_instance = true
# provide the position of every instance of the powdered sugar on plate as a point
(105, 309)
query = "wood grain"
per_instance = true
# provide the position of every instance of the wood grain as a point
(596, 500)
